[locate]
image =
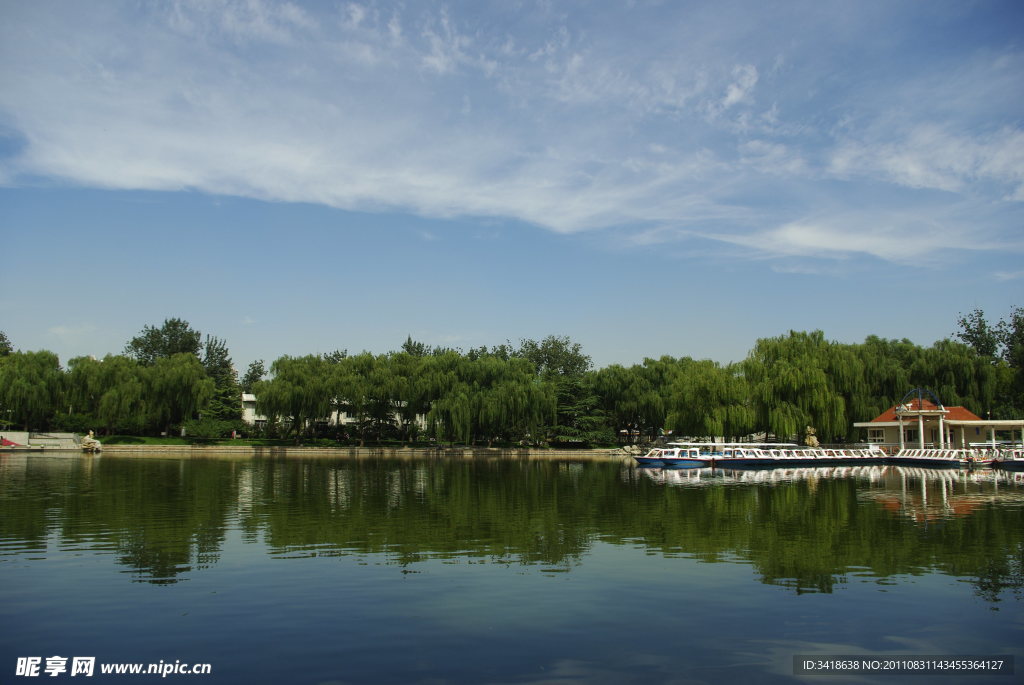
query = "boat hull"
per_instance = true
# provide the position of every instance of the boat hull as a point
(1009, 464)
(687, 463)
(935, 463)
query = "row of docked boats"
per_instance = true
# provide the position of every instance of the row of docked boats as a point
(754, 455)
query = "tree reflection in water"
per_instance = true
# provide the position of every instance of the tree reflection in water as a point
(810, 530)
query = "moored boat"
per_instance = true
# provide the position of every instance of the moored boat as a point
(731, 455)
(948, 458)
(791, 455)
(677, 455)
(1010, 459)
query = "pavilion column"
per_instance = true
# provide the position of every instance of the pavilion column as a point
(920, 431)
(942, 433)
(992, 436)
(901, 433)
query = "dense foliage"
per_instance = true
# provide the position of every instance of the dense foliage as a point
(536, 392)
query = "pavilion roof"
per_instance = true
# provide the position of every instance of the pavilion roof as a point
(922, 405)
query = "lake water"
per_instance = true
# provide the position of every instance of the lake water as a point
(502, 571)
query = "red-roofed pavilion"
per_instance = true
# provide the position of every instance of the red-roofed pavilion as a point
(929, 424)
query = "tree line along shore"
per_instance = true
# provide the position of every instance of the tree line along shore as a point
(171, 381)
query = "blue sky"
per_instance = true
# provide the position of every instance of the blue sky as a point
(647, 178)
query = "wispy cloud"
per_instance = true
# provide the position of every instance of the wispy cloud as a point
(1008, 275)
(744, 80)
(660, 123)
(930, 156)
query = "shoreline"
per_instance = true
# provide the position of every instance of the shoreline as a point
(254, 451)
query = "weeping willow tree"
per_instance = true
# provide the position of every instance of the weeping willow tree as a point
(886, 368)
(789, 380)
(706, 399)
(955, 372)
(176, 388)
(957, 375)
(299, 393)
(845, 371)
(411, 386)
(110, 391)
(363, 387)
(31, 386)
(631, 398)
(450, 414)
(489, 398)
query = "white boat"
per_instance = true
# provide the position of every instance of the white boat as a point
(792, 455)
(1011, 459)
(950, 458)
(679, 455)
(749, 454)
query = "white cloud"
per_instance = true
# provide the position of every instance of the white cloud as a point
(657, 127)
(771, 158)
(1008, 275)
(745, 76)
(241, 20)
(892, 237)
(932, 157)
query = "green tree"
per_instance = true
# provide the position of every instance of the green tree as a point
(300, 392)
(175, 336)
(886, 373)
(226, 402)
(415, 348)
(978, 334)
(110, 391)
(555, 356)
(631, 400)
(561, 363)
(177, 388)
(336, 356)
(253, 375)
(789, 379)
(1002, 346)
(217, 361)
(1011, 337)
(489, 398)
(31, 387)
(411, 389)
(957, 375)
(5, 345)
(709, 400)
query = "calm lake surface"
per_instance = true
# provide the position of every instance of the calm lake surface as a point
(503, 571)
